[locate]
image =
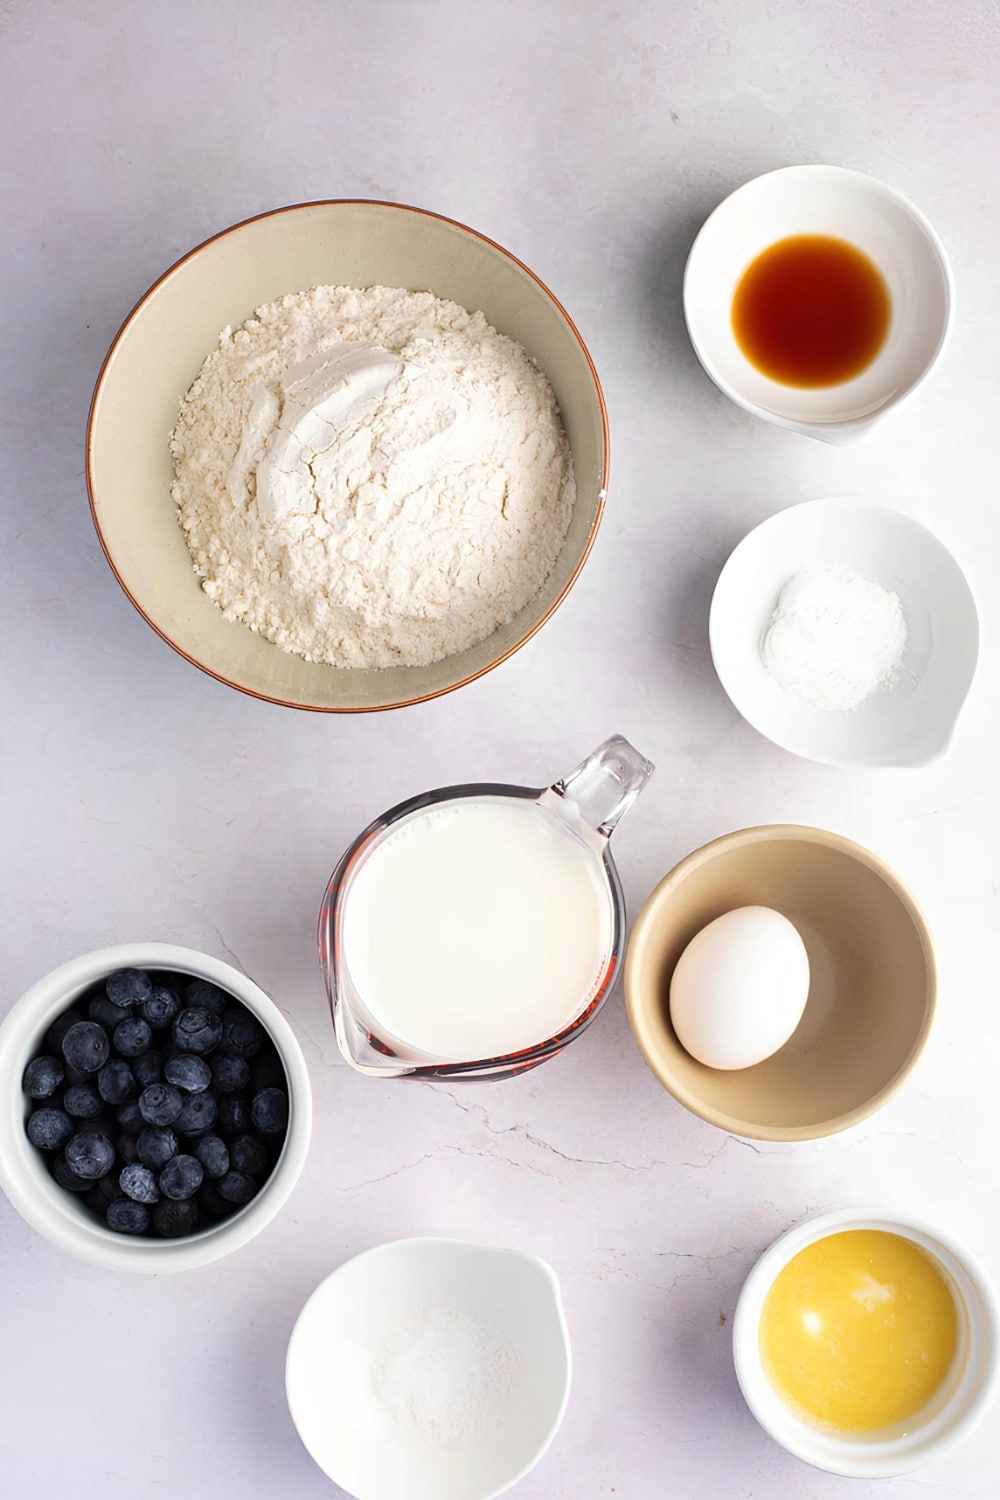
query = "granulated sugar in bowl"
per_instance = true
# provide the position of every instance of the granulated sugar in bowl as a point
(430, 1369)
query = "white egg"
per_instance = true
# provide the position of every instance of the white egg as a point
(739, 988)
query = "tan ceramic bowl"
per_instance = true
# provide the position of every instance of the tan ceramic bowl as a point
(871, 993)
(160, 349)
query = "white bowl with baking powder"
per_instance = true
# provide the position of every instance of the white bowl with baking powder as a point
(908, 721)
(430, 1369)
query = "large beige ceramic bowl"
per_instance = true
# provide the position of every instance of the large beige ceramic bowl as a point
(871, 992)
(160, 349)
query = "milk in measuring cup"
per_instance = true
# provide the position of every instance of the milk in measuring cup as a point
(478, 927)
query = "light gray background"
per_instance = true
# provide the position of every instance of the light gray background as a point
(143, 800)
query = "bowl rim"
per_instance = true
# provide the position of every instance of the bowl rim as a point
(406, 208)
(884, 515)
(639, 1006)
(971, 1287)
(863, 181)
(474, 1248)
(20, 1028)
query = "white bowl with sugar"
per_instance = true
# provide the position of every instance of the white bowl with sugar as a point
(846, 633)
(430, 1369)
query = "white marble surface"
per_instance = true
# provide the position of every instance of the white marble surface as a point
(144, 800)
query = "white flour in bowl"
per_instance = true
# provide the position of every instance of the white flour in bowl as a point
(371, 478)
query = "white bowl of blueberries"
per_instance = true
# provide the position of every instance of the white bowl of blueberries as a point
(155, 1108)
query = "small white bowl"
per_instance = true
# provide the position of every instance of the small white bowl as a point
(57, 1214)
(910, 723)
(430, 1369)
(876, 219)
(951, 1415)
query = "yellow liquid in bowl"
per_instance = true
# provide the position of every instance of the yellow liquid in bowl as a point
(858, 1331)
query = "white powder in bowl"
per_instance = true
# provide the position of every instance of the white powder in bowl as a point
(371, 478)
(834, 639)
(445, 1373)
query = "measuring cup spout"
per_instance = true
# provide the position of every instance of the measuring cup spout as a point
(605, 785)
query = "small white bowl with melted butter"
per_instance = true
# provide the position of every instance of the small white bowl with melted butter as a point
(954, 1408)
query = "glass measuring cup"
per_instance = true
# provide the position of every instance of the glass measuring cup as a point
(587, 805)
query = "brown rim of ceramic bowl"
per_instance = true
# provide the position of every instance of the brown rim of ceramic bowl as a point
(404, 208)
(637, 1011)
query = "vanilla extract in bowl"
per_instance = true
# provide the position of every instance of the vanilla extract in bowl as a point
(812, 310)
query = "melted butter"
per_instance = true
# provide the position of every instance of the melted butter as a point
(858, 1331)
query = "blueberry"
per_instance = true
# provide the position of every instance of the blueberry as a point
(127, 987)
(267, 1072)
(181, 1177)
(49, 1129)
(89, 1155)
(156, 1146)
(237, 1187)
(83, 1101)
(128, 1217)
(86, 1046)
(234, 1114)
(173, 1219)
(58, 1029)
(100, 1009)
(200, 992)
(210, 1202)
(116, 1081)
(213, 1154)
(160, 1104)
(132, 1036)
(190, 1074)
(147, 1069)
(128, 1149)
(198, 1115)
(129, 1119)
(97, 1200)
(42, 1077)
(230, 1075)
(269, 1111)
(159, 1010)
(249, 1155)
(197, 1030)
(109, 1188)
(242, 1033)
(67, 1179)
(139, 1182)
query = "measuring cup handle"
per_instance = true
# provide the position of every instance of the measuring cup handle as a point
(605, 785)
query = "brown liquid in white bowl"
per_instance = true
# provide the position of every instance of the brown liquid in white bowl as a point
(811, 311)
